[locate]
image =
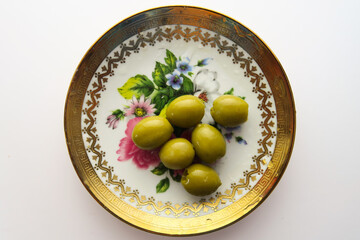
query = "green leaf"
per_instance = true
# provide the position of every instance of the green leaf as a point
(137, 86)
(215, 125)
(238, 138)
(178, 131)
(170, 92)
(159, 74)
(187, 87)
(165, 69)
(170, 60)
(163, 111)
(163, 185)
(119, 114)
(190, 74)
(159, 170)
(243, 98)
(230, 92)
(200, 63)
(160, 99)
(176, 178)
(117, 111)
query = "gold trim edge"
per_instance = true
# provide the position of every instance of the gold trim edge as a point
(131, 221)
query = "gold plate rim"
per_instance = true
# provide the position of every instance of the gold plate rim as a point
(69, 135)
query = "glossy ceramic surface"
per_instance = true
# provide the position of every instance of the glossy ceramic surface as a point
(134, 71)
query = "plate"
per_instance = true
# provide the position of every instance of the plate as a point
(134, 71)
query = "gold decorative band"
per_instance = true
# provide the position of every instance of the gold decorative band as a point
(276, 78)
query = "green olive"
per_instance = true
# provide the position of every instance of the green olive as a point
(185, 111)
(208, 142)
(151, 132)
(229, 111)
(200, 180)
(177, 153)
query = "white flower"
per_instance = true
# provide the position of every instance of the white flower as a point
(205, 80)
(207, 89)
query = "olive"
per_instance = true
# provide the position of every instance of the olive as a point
(200, 180)
(185, 111)
(151, 132)
(208, 142)
(229, 110)
(178, 153)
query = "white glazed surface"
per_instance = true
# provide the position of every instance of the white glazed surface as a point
(238, 159)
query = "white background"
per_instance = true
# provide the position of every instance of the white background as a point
(41, 44)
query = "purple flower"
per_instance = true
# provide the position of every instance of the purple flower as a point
(174, 80)
(228, 136)
(240, 140)
(114, 118)
(230, 129)
(203, 62)
(183, 66)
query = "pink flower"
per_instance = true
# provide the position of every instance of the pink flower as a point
(114, 118)
(178, 172)
(128, 150)
(112, 121)
(187, 134)
(131, 124)
(140, 108)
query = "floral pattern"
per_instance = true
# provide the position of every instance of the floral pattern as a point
(128, 150)
(140, 108)
(174, 80)
(183, 66)
(170, 79)
(94, 98)
(114, 118)
(207, 89)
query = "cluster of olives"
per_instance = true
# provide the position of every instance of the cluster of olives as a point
(206, 141)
